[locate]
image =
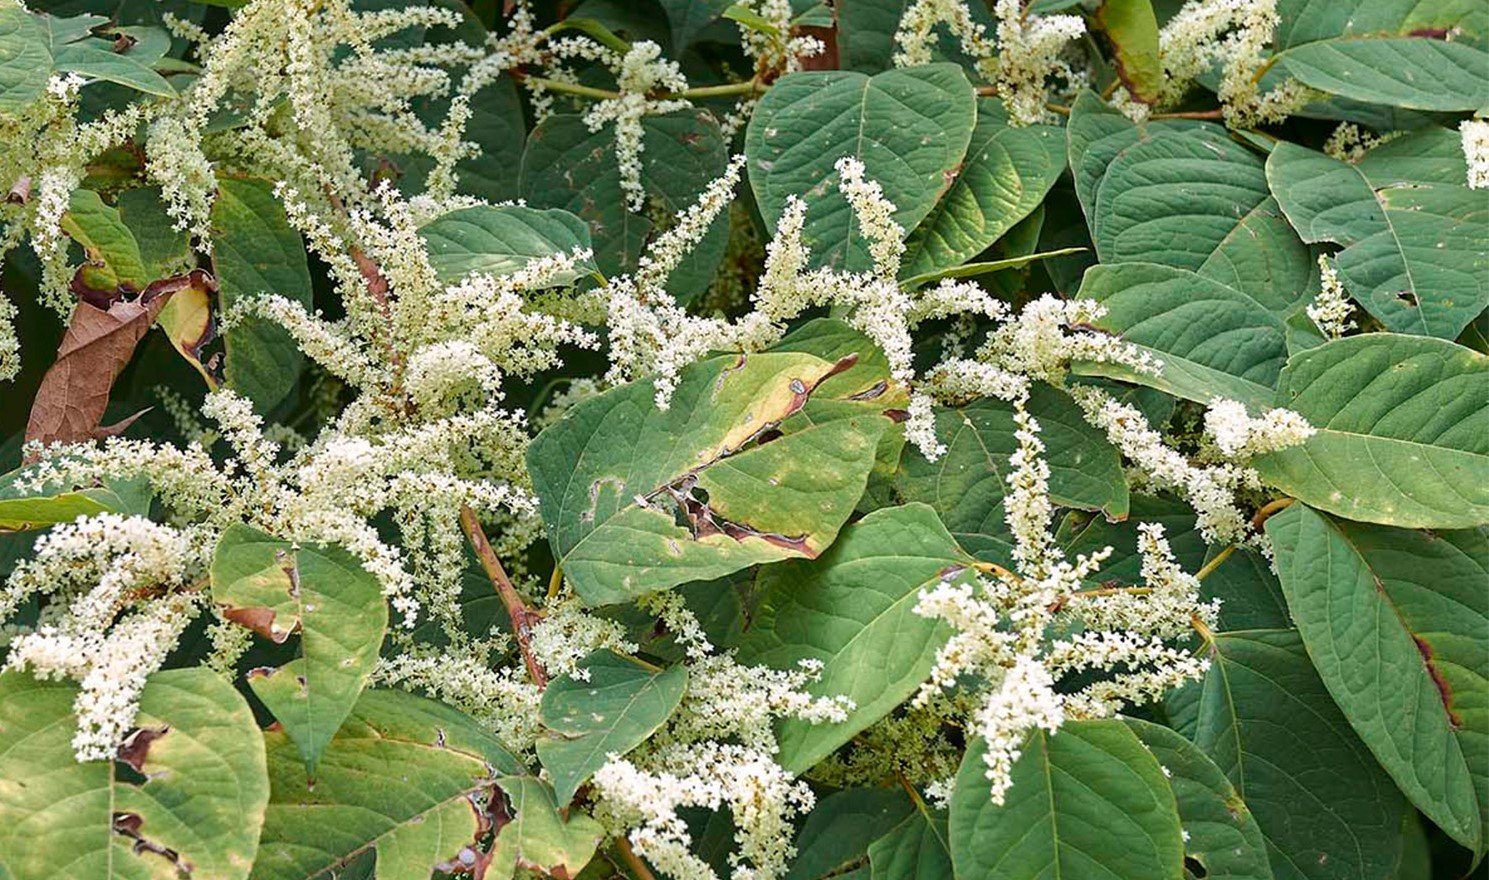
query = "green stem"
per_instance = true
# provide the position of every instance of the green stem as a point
(725, 90)
(554, 85)
(1208, 567)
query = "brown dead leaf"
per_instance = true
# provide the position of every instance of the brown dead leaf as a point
(100, 340)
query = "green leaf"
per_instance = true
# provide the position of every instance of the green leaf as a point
(691, 17)
(1414, 72)
(1326, 808)
(539, 836)
(25, 59)
(196, 795)
(565, 165)
(400, 764)
(866, 31)
(1412, 232)
(164, 249)
(1086, 801)
(616, 475)
(502, 240)
(854, 611)
(921, 121)
(610, 712)
(918, 848)
(840, 829)
(1403, 431)
(967, 484)
(1212, 340)
(113, 254)
(1373, 605)
(276, 588)
(23, 512)
(1221, 834)
(1303, 21)
(256, 252)
(1132, 29)
(1006, 174)
(96, 60)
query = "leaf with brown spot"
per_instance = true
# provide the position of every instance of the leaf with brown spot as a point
(98, 344)
(196, 812)
(321, 591)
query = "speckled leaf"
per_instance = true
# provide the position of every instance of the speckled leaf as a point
(1211, 339)
(921, 121)
(256, 252)
(615, 709)
(1326, 809)
(1403, 431)
(321, 591)
(396, 781)
(1221, 835)
(967, 484)
(196, 811)
(853, 610)
(1086, 801)
(1415, 237)
(1374, 604)
(500, 240)
(1006, 174)
(539, 837)
(616, 475)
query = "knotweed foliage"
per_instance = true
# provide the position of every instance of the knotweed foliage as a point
(928, 440)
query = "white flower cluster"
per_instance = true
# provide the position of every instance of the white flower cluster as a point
(1475, 135)
(1239, 436)
(1233, 34)
(120, 591)
(1028, 54)
(1330, 310)
(1005, 625)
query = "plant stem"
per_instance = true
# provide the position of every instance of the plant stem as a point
(1213, 564)
(1191, 114)
(1276, 505)
(522, 616)
(554, 85)
(555, 583)
(725, 90)
(633, 861)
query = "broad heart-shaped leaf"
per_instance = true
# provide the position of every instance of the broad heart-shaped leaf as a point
(1413, 234)
(1304, 21)
(25, 59)
(853, 610)
(910, 128)
(1386, 615)
(1087, 801)
(839, 830)
(196, 812)
(615, 476)
(918, 848)
(620, 704)
(113, 253)
(966, 486)
(256, 252)
(1326, 808)
(1212, 340)
(275, 588)
(1413, 72)
(1220, 833)
(1243, 240)
(96, 59)
(539, 836)
(1402, 431)
(396, 781)
(1006, 174)
(502, 240)
(565, 165)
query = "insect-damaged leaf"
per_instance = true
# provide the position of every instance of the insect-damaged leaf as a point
(397, 780)
(196, 812)
(538, 836)
(275, 588)
(637, 499)
(100, 339)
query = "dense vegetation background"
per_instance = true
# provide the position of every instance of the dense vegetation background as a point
(867, 439)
